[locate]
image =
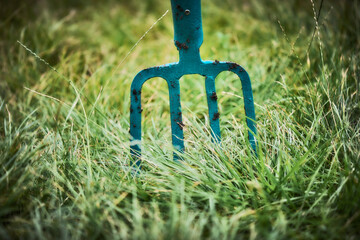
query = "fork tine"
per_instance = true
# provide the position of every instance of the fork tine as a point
(177, 124)
(135, 110)
(248, 101)
(213, 107)
(135, 123)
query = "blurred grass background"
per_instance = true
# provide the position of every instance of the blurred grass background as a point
(64, 150)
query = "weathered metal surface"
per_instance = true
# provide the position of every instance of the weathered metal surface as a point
(188, 39)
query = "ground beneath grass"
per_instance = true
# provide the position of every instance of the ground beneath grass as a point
(65, 74)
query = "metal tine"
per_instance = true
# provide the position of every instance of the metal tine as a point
(213, 108)
(177, 124)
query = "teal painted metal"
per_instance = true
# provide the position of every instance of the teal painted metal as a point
(188, 39)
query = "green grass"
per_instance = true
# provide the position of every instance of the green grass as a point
(64, 149)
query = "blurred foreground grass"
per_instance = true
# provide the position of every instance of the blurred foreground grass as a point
(64, 150)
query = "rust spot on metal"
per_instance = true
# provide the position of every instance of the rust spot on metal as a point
(188, 40)
(134, 125)
(178, 118)
(179, 8)
(134, 93)
(213, 96)
(131, 110)
(232, 66)
(181, 125)
(216, 116)
(216, 62)
(180, 45)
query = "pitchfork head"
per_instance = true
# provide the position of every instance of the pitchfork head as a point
(188, 39)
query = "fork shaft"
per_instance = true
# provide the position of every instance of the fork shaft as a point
(188, 32)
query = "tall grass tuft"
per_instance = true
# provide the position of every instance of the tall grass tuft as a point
(64, 117)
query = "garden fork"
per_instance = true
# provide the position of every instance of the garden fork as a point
(188, 39)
